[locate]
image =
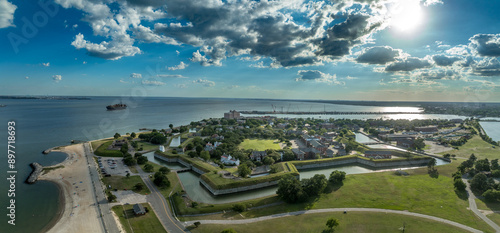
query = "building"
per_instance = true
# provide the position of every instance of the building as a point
(229, 160)
(139, 209)
(378, 154)
(162, 148)
(405, 142)
(300, 154)
(427, 129)
(258, 155)
(233, 114)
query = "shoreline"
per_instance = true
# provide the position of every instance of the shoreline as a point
(60, 208)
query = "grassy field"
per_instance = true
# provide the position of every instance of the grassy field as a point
(156, 167)
(103, 151)
(144, 223)
(259, 144)
(417, 192)
(480, 148)
(350, 222)
(495, 217)
(146, 146)
(122, 183)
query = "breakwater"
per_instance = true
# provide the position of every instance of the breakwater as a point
(37, 170)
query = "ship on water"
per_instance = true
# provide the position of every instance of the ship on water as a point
(119, 106)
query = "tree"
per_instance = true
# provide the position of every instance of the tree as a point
(133, 135)
(315, 185)
(459, 185)
(244, 170)
(494, 164)
(419, 144)
(431, 164)
(129, 161)
(111, 197)
(171, 126)
(164, 170)
(239, 207)
(142, 160)
(479, 182)
(138, 186)
(290, 190)
(229, 230)
(331, 223)
(117, 135)
(199, 149)
(128, 175)
(148, 168)
(268, 160)
(482, 165)
(197, 224)
(491, 195)
(124, 148)
(205, 155)
(161, 180)
(337, 177)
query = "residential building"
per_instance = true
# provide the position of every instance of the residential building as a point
(258, 155)
(139, 209)
(229, 160)
(378, 154)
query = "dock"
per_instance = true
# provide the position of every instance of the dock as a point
(37, 170)
(324, 113)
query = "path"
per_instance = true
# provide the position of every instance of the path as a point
(160, 206)
(296, 213)
(102, 203)
(473, 207)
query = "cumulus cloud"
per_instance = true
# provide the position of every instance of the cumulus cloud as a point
(170, 76)
(46, 64)
(57, 78)
(108, 50)
(487, 45)
(7, 10)
(181, 66)
(487, 67)
(408, 64)
(204, 82)
(26, 77)
(443, 60)
(152, 83)
(135, 75)
(378, 55)
(222, 29)
(317, 76)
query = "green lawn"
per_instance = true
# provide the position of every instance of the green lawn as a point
(350, 222)
(137, 224)
(122, 183)
(259, 144)
(156, 167)
(495, 217)
(146, 146)
(103, 151)
(480, 148)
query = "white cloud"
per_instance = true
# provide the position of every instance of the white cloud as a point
(57, 78)
(135, 75)
(46, 64)
(26, 77)
(108, 50)
(7, 10)
(170, 76)
(75, 26)
(181, 86)
(123, 81)
(317, 76)
(181, 66)
(152, 83)
(204, 82)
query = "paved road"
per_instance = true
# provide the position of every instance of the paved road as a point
(160, 206)
(473, 207)
(251, 220)
(103, 206)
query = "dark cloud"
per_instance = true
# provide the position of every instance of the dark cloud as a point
(486, 44)
(378, 55)
(317, 76)
(487, 67)
(442, 60)
(408, 64)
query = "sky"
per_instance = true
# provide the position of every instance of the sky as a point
(386, 50)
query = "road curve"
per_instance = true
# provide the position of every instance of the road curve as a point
(252, 220)
(473, 207)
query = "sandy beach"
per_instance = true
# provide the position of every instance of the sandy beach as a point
(79, 212)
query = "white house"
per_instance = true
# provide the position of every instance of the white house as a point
(229, 160)
(162, 148)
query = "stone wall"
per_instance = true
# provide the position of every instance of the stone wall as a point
(370, 163)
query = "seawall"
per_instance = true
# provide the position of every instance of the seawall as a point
(37, 170)
(370, 163)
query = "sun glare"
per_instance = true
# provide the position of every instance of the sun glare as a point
(406, 15)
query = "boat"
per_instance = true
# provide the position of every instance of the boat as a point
(119, 106)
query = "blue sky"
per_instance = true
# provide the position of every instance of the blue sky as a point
(416, 50)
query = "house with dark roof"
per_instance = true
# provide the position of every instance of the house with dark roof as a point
(139, 209)
(258, 155)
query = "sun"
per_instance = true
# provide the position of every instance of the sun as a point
(406, 15)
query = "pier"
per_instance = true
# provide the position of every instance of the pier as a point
(324, 113)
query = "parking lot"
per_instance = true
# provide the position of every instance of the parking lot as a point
(112, 166)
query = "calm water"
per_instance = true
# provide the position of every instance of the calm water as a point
(492, 129)
(43, 124)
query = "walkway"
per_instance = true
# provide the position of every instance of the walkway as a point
(160, 206)
(296, 213)
(102, 203)
(473, 207)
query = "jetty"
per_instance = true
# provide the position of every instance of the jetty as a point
(37, 170)
(324, 113)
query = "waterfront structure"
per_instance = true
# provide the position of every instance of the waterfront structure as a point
(378, 154)
(232, 114)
